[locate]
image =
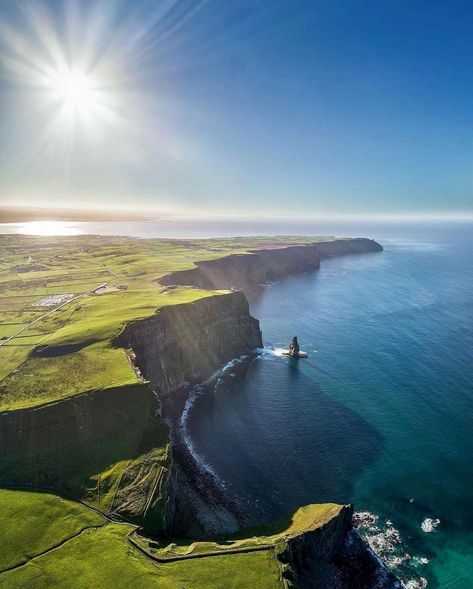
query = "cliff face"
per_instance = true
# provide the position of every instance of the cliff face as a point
(244, 271)
(320, 543)
(236, 271)
(109, 447)
(180, 346)
(345, 247)
(185, 344)
(333, 555)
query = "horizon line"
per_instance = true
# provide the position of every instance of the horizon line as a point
(22, 212)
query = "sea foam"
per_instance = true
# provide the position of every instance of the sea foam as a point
(429, 525)
(195, 393)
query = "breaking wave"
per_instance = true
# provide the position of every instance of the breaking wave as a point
(197, 392)
(429, 525)
(386, 542)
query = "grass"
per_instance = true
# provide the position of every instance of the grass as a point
(56, 543)
(33, 522)
(98, 447)
(65, 376)
(98, 319)
(307, 518)
(102, 558)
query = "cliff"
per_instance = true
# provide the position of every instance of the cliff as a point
(325, 551)
(244, 271)
(318, 540)
(184, 344)
(180, 346)
(109, 447)
(103, 447)
(345, 247)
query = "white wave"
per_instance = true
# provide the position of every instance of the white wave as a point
(420, 560)
(419, 583)
(408, 244)
(269, 352)
(365, 519)
(279, 352)
(195, 393)
(429, 525)
(273, 352)
(385, 542)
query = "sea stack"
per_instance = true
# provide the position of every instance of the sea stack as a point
(294, 348)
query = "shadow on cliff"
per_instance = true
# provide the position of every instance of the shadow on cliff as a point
(93, 446)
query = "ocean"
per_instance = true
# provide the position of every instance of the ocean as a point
(379, 415)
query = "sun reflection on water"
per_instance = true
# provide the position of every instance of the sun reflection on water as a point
(48, 228)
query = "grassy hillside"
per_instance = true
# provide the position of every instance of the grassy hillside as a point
(52, 543)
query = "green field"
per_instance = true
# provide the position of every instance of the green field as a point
(50, 541)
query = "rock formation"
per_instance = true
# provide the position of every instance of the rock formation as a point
(294, 348)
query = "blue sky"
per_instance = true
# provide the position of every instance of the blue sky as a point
(239, 107)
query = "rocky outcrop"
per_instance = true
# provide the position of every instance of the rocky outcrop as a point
(320, 542)
(294, 348)
(245, 271)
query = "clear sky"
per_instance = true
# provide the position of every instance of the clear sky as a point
(238, 107)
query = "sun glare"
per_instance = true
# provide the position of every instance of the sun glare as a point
(73, 89)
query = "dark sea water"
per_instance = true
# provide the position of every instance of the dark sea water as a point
(381, 414)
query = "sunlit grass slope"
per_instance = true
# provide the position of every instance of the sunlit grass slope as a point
(274, 536)
(33, 522)
(51, 542)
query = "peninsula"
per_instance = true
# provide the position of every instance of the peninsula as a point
(101, 339)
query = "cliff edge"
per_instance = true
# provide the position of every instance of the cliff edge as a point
(260, 266)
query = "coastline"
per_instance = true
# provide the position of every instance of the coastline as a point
(168, 490)
(201, 486)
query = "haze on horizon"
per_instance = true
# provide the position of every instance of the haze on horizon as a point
(243, 108)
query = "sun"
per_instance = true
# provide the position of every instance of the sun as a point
(74, 89)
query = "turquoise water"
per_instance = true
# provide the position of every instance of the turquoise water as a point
(381, 414)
